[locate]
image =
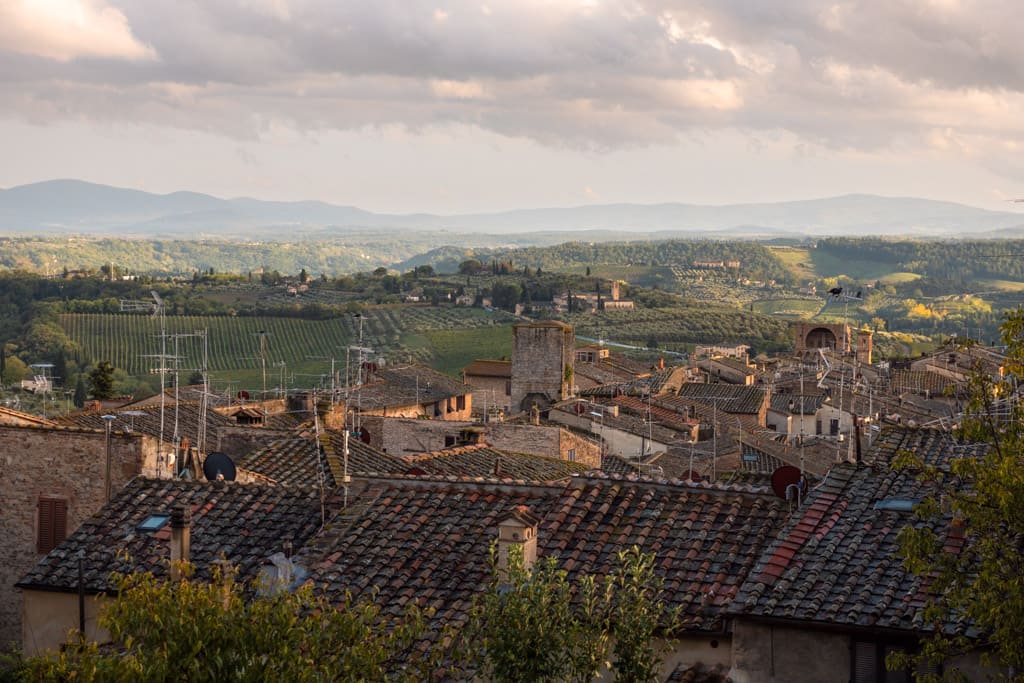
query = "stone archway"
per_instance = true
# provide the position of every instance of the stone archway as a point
(821, 338)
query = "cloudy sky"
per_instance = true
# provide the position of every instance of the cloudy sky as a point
(401, 105)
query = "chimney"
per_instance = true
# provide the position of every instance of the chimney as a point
(517, 537)
(181, 533)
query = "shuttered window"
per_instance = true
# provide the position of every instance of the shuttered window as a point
(865, 662)
(53, 523)
(868, 663)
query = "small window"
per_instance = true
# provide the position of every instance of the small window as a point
(460, 403)
(53, 523)
(153, 523)
(571, 455)
(833, 427)
(508, 387)
(449, 441)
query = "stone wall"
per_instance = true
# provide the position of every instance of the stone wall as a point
(62, 463)
(541, 354)
(490, 392)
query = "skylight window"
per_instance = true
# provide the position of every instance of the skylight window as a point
(154, 522)
(897, 504)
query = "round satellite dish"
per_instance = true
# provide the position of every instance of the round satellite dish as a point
(219, 466)
(694, 476)
(783, 477)
(243, 395)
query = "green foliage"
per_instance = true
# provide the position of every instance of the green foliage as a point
(101, 378)
(15, 370)
(981, 498)
(538, 625)
(195, 631)
(528, 628)
(636, 614)
(81, 393)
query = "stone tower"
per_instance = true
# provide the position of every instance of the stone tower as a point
(615, 290)
(865, 342)
(542, 363)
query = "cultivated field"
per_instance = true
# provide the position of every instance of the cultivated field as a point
(434, 336)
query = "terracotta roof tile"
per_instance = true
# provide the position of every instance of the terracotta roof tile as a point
(837, 560)
(245, 522)
(436, 534)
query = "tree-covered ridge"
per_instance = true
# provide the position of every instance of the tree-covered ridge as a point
(52, 256)
(755, 259)
(955, 261)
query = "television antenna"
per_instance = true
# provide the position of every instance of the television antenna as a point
(43, 380)
(158, 310)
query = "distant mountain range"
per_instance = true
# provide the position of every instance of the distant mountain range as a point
(77, 207)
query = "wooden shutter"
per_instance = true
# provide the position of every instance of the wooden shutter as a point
(865, 662)
(53, 523)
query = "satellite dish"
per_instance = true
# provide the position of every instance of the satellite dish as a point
(243, 395)
(219, 466)
(694, 476)
(783, 477)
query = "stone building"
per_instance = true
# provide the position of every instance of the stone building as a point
(812, 336)
(542, 363)
(402, 437)
(51, 480)
(492, 384)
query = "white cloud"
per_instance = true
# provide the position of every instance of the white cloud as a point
(68, 29)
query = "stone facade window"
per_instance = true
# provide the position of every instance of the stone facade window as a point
(53, 523)
(460, 402)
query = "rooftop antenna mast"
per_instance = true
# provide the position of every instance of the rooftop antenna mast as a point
(839, 294)
(262, 334)
(159, 312)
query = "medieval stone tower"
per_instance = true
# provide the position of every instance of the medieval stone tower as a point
(542, 363)
(865, 344)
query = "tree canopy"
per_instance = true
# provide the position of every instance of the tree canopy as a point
(983, 502)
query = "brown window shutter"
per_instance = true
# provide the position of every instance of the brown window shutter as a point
(60, 522)
(44, 536)
(53, 523)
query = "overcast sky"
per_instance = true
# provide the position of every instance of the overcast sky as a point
(400, 105)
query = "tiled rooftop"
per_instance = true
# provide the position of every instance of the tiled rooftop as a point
(485, 461)
(404, 386)
(148, 421)
(792, 404)
(653, 383)
(489, 368)
(730, 398)
(427, 541)
(245, 522)
(837, 560)
(296, 461)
